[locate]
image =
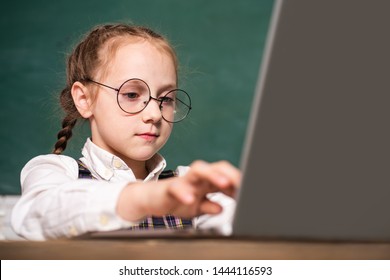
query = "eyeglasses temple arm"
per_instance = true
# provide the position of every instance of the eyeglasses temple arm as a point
(90, 80)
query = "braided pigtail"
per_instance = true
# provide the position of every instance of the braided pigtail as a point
(68, 122)
(64, 135)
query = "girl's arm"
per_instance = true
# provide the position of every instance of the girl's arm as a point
(184, 196)
(54, 203)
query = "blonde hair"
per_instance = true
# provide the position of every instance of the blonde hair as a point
(93, 54)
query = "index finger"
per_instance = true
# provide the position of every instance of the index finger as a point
(221, 174)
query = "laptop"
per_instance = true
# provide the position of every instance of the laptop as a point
(316, 159)
(316, 163)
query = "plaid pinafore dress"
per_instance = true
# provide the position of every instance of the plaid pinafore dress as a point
(152, 222)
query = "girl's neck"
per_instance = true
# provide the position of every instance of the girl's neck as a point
(139, 169)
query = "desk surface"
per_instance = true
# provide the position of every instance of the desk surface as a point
(205, 248)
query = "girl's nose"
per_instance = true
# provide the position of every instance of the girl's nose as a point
(152, 112)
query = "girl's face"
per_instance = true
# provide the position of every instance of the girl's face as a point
(134, 138)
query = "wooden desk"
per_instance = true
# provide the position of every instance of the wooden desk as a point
(184, 248)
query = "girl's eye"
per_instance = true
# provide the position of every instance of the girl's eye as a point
(166, 100)
(131, 95)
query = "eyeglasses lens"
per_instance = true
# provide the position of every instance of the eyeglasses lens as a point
(134, 96)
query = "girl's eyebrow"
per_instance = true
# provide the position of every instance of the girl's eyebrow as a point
(166, 88)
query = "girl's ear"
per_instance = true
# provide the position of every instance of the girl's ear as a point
(82, 99)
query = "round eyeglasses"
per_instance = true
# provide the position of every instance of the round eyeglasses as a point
(134, 95)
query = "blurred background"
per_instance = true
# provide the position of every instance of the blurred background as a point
(219, 44)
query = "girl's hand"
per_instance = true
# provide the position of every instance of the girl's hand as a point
(181, 196)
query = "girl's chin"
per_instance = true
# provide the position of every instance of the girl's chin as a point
(139, 153)
(143, 156)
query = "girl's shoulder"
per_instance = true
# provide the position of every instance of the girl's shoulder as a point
(52, 163)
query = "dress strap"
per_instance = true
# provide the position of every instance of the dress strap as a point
(84, 172)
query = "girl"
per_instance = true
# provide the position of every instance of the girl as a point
(123, 79)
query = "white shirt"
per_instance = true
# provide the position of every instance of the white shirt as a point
(56, 203)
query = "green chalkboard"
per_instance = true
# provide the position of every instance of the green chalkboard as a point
(219, 44)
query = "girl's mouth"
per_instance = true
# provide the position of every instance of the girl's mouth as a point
(148, 136)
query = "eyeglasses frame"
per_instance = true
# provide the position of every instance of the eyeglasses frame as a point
(158, 100)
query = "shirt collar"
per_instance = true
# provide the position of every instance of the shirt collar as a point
(107, 166)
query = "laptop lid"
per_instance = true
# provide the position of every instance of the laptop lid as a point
(316, 159)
